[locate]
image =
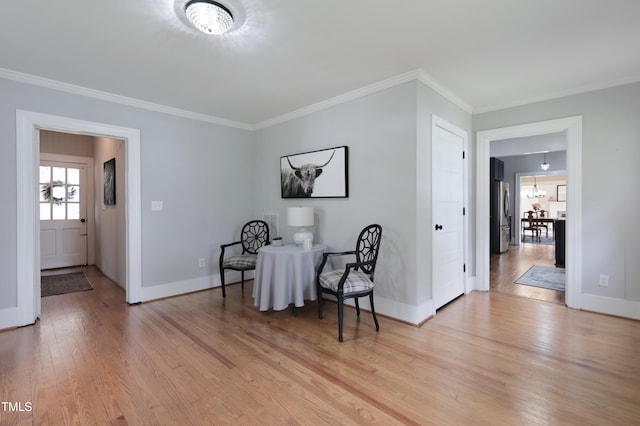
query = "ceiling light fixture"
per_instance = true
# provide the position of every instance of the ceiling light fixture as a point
(535, 193)
(208, 16)
(545, 166)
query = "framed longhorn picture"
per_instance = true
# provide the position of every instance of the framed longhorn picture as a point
(316, 174)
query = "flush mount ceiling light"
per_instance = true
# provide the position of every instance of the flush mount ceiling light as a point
(208, 16)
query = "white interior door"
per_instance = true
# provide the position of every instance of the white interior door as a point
(63, 207)
(447, 212)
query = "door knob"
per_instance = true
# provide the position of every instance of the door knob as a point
(82, 220)
(438, 227)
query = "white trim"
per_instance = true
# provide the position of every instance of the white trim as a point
(573, 256)
(123, 100)
(427, 79)
(28, 125)
(8, 318)
(411, 314)
(346, 97)
(556, 95)
(160, 291)
(611, 306)
(418, 75)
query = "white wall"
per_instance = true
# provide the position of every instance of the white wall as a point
(389, 138)
(202, 171)
(610, 151)
(110, 220)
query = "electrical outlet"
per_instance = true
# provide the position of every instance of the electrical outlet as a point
(604, 280)
(201, 262)
(156, 206)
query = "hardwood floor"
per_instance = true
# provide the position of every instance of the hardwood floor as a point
(507, 267)
(487, 358)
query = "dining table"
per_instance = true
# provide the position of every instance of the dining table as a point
(286, 275)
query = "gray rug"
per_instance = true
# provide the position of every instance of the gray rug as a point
(51, 285)
(543, 276)
(543, 240)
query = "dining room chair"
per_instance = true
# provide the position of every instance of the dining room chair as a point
(254, 235)
(531, 225)
(356, 279)
(541, 215)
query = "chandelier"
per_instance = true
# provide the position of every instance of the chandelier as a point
(209, 17)
(536, 193)
(545, 166)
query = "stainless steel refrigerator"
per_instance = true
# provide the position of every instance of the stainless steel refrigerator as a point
(500, 216)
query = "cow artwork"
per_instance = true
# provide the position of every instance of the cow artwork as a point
(298, 180)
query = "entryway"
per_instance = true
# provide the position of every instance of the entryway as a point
(28, 126)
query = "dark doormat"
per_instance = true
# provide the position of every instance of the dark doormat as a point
(543, 276)
(51, 285)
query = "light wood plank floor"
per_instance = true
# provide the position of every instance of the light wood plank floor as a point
(507, 267)
(486, 359)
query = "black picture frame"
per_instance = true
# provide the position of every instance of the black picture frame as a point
(110, 182)
(316, 174)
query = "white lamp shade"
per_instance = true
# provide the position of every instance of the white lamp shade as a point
(300, 216)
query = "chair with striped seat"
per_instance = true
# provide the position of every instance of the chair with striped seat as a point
(356, 279)
(254, 235)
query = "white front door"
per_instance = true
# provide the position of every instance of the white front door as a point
(447, 212)
(63, 207)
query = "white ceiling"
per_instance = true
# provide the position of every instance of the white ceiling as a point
(290, 54)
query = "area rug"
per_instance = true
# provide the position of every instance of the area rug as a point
(51, 285)
(543, 276)
(543, 240)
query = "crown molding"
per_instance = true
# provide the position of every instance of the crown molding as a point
(557, 95)
(123, 100)
(346, 97)
(428, 80)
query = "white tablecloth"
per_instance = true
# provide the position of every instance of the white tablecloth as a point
(286, 275)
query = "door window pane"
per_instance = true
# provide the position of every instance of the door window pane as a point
(73, 211)
(59, 175)
(45, 211)
(45, 174)
(73, 194)
(59, 211)
(73, 176)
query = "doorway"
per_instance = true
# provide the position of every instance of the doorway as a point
(65, 199)
(28, 126)
(572, 128)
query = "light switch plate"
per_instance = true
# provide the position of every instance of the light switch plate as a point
(156, 206)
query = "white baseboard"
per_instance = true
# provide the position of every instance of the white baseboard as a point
(9, 318)
(610, 306)
(401, 311)
(176, 288)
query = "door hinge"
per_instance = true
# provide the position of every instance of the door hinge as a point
(464, 267)
(464, 211)
(463, 155)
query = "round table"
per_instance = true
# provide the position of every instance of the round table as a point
(284, 275)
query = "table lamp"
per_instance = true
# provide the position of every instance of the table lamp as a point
(301, 217)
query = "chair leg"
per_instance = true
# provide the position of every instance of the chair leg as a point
(242, 276)
(340, 312)
(373, 312)
(224, 293)
(319, 303)
(355, 299)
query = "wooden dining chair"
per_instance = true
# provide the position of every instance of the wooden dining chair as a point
(530, 225)
(541, 215)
